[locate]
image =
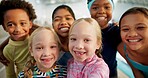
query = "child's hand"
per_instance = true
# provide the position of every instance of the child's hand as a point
(3, 60)
(115, 23)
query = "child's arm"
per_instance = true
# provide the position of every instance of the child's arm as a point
(2, 57)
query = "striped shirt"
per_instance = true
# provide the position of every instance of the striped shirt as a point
(56, 71)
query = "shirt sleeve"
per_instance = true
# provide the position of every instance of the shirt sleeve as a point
(21, 74)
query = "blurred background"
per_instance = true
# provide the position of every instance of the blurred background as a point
(44, 9)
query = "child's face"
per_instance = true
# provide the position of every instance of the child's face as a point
(83, 41)
(101, 11)
(62, 22)
(44, 49)
(134, 29)
(17, 24)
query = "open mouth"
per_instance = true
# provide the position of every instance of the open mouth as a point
(46, 60)
(64, 29)
(79, 53)
(101, 18)
(136, 40)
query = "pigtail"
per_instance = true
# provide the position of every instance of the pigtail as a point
(98, 52)
(29, 67)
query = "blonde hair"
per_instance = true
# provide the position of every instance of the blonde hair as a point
(29, 67)
(96, 27)
(44, 28)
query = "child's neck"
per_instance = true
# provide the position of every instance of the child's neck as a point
(64, 42)
(139, 56)
(21, 39)
(105, 26)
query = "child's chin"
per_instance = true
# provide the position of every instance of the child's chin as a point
(80, 60)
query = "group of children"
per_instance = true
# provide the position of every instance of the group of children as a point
(82, 48)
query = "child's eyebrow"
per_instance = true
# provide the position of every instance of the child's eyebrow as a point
(38, 43)
(9, 22)
(72, 35)
(107, 3)
(141, 24)
(57, 17)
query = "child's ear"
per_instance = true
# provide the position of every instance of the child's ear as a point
(30, 50)
(4, 27)
(30, 25)
(98, 46)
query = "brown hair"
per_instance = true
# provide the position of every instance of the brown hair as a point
(135, 10)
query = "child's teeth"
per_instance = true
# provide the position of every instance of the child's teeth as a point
(101, 18)
(64, 29)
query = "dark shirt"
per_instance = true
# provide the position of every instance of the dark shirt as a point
(64, 59)
(111, 39)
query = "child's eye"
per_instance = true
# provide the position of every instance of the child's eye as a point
(68, 18)
(86, 40)
(124, 29)
(23, 23)
(56, 19)
(72, 39)
(140, 28)
(95, 8)
(107, 7)
(10, 25)
(39, 48)
(54, 46)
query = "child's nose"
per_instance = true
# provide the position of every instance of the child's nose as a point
(46, 52)
(17, 28)
(101, 10)
(79, 45)
(132, 33)
(63, 22)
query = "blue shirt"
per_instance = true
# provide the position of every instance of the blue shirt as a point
(64, 58)
(142, 68)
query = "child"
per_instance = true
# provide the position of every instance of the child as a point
(16, 18)
(45, 52)
(62, 18)
(62, 12)
(101, 11)
(134, 36)
(85, 41)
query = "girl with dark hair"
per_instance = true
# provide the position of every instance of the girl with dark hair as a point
(134, 37)
(62, 19)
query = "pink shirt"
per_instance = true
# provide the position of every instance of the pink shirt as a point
(94, 67)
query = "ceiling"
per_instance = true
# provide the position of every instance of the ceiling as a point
(56, 1)
(47, 2)
(139, 2)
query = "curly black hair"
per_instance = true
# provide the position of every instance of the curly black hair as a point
(6, 5)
